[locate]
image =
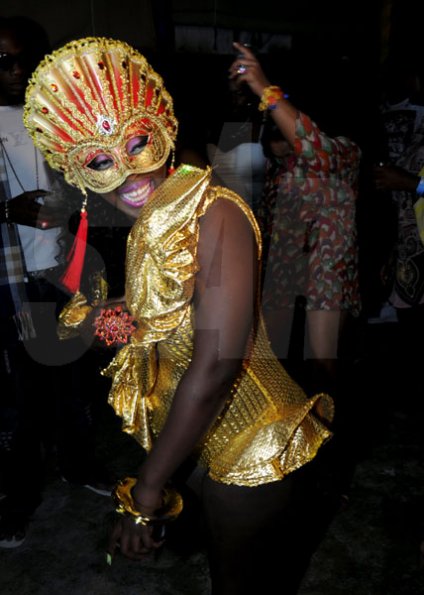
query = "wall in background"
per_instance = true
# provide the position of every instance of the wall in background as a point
(350, 26)
(65, 20)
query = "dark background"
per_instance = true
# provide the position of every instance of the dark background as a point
(319, 52)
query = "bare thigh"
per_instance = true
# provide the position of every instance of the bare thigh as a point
(324, 329)
(249, 537)
(279, 325)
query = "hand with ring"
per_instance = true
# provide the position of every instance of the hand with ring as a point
(247, 69)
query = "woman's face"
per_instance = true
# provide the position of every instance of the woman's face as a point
(103, 163)
(132, 195)
(135, 153)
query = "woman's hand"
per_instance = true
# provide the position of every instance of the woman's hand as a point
(247, 69)
(27, 209)
(134, 541)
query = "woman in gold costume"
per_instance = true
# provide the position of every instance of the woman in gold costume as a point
(196, 379)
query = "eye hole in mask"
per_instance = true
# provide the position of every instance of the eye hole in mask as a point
(103, 161)
(136, 145)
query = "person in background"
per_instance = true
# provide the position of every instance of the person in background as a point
(310, 292)
(400, 175)
(42, 408)
(194, 379)
(307, 215)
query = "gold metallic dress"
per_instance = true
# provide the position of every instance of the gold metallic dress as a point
(268, 427)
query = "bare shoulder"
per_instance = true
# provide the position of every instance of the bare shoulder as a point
(228, 213)
(226, 230)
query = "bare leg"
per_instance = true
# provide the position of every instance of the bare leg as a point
(279, 327)
(329, 372)
(252, 538)
(323, 332)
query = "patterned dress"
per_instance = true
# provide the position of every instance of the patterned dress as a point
(307, 217)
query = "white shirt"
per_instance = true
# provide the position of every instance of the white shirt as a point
(40, 247)
(241, 169)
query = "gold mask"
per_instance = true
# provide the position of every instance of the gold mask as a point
(99, 113)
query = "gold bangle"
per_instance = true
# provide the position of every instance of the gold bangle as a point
(172, 503)
(269, 98)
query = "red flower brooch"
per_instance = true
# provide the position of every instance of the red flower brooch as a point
(114, 326)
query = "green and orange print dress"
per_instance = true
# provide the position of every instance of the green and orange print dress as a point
(307, 216)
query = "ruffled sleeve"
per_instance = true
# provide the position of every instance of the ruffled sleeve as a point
(160, 275)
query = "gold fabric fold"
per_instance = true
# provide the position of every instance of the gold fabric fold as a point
(161, 255)
(72, 316)
(133, 373)
(79, 307)
(160, 268)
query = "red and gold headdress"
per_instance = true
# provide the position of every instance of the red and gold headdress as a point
(89, 97)
(93, 97)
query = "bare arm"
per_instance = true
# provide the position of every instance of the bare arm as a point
(224, 304)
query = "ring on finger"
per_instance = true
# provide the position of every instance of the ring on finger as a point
(241, 69)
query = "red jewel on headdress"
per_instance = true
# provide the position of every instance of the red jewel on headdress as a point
(53, 87)
(44, 110)
(76, 74)
(105, 125)
(38, 129)
(100, 65)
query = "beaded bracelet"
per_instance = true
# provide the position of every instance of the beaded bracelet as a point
(270, 96)
(172, 503)
(419, 190)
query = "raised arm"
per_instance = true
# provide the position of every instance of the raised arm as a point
(284, 113)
